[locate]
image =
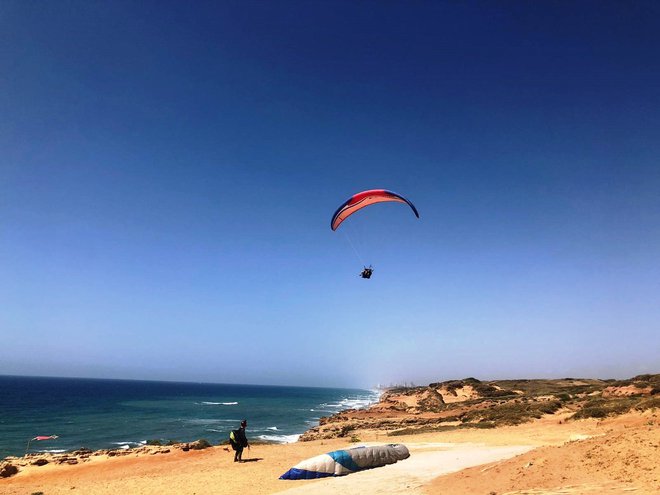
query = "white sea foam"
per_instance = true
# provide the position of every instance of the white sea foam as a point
(128, 445)
(279, 438)
(356, 402)
(52, 451)
(274, 428)
(351, 402)
(207, 403)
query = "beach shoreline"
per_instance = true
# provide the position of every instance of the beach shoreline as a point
(464, 437)
(73, 413)
(435, 458)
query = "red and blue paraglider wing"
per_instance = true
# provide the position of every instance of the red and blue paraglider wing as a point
(366, 198)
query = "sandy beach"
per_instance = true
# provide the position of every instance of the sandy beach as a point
(547, 456)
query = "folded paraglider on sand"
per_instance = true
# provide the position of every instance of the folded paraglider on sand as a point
(347, 461)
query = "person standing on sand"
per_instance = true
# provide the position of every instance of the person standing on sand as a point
(239, 441)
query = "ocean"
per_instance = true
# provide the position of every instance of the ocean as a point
(106, 414)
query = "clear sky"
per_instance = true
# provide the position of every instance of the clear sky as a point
(168, 171)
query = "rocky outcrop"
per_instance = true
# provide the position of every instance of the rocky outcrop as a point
(12, 465)
(7, 469)
(471, 403)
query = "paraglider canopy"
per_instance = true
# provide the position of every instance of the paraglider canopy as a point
(366, 198)
(347, 461)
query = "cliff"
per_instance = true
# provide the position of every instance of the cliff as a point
(471, 403)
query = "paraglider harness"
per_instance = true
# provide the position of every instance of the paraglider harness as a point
(237, 439)
(366, 273)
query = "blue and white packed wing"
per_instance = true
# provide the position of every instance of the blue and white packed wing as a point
(342, 462)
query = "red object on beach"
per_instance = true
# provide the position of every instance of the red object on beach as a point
(40, 437)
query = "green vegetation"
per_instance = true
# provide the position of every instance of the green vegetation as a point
(613, 406)
(534, 388)
(512, 413)
(601, 408)
(650, 403)
(641, 382)
(345, 430)
(487, 390)
(439, 428)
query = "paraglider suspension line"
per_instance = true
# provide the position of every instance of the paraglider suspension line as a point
(354, 250)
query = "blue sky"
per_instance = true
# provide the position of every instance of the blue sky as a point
(168, 172)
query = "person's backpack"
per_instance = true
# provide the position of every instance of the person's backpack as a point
(233, 439)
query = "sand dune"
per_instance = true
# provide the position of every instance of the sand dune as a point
(624, 458)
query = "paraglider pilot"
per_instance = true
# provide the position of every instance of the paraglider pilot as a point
(239, 441)
(366, 273)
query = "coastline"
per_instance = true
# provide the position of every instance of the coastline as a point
(440, 462)
(541, 444)
(107, 414)
(152, 470)
(82, 455)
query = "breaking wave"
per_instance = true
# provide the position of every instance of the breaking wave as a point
(279, 438)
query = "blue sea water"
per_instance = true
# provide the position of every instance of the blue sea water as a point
(104, 414)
